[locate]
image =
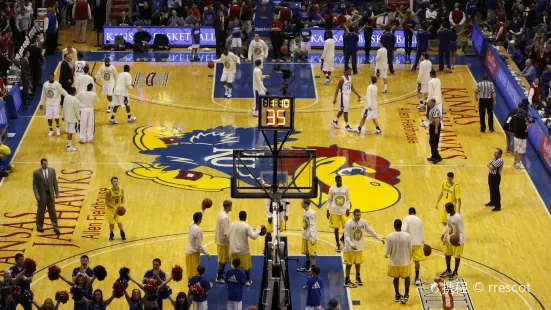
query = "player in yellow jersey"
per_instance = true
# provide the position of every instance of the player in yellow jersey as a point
(114, 198)
(449, 190)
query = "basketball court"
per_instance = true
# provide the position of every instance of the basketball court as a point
(179, 151)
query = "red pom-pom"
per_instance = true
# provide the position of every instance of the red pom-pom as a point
(53, 272)
(118, 289)
(16, 292)
(29, 265)
(196, 290)
(177, 273)
(150, 287)
(405, 25)
(62, 297)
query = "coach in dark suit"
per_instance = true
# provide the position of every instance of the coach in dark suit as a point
(66, 75)
(220, 31)
(35, 60)
(45, 191)
(99, 11)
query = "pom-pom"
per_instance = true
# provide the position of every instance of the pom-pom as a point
(62, 296)
(164, 292)
(28, 295)
(16, 292)
(53, 272)
(196, 290)
(177, 273)
(118, 289)
(29, 265)
(77, 293)
(100, 272)
(124, 282)
(150, 287)
(124, 273)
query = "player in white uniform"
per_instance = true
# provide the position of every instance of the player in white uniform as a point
(309, 236)
(71, 116)
(381, 65)
(328, 57)
(230, 62)
(124, 82)
(423, 78)
(343, 92)
(455, 226)
(354, 235)
(413, 225)
(338, 208)
(258, 85)
(434, 92)
(258, 50)
(371, 107)
(51, 93)
(82, 81)
(108, 75)
(79, 65)
(222, 239)
(398, 250)
(87, 119)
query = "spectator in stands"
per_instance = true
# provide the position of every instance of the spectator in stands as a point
(516, 28)
(35, 60)
(174, 20)
(276, 35)
(285, 14)
(534, 93)
(124, 20)
(190, 20)
(529, 71)
(316, 18)
(146, 13)
(246, 17)
(383, 21)
(141, 40)
(235, 10)
(457, 18)
(540, 57)
(304, 15)
(544, 81)
(208, 16)
(50, 25)
(81, 15)
(22, 24)
(194, 11)
(25, 75)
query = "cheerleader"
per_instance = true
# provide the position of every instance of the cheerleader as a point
(83, 283)
(97, 303)
(182, 302)
(150, 300)
(47, 305)
(135, 301)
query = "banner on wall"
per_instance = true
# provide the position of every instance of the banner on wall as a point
(181, 36)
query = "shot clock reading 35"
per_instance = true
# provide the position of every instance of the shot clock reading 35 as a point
(276, 113)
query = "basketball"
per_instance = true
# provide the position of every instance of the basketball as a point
(211, 64)
(207, 203)
(121, 211)
(427, 250)
(263, 230)
(284, 50)
(454, 240)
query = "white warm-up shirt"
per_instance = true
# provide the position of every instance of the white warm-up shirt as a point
(70, 109)
(258, 49)
(423, 77)
(229, 61)
(222, 236)
(398, 247)
(195, 244)
(338, 200)
(258, 84)
(354, 234)
(87, 99)
(381, 60)
(108, 75)
(124, 82)
(413, 225)
(328, 50)
(240, 232)
(435, 90)
(82, 81)
(309, 225)
(51, 92)
(371, 97)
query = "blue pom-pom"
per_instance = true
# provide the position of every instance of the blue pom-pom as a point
(100, 272)
(124, 273)
(28, 295)
(76, 291)
(165, 291)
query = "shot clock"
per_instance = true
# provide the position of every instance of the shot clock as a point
(276, 113)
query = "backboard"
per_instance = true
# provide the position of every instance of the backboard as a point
(255, 171)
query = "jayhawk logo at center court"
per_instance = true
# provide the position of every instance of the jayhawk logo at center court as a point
(202, 160)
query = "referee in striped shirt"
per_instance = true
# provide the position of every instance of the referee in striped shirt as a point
(485, 93)
(494, 179)
(435, 119)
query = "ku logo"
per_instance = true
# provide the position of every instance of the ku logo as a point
(202, 160)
